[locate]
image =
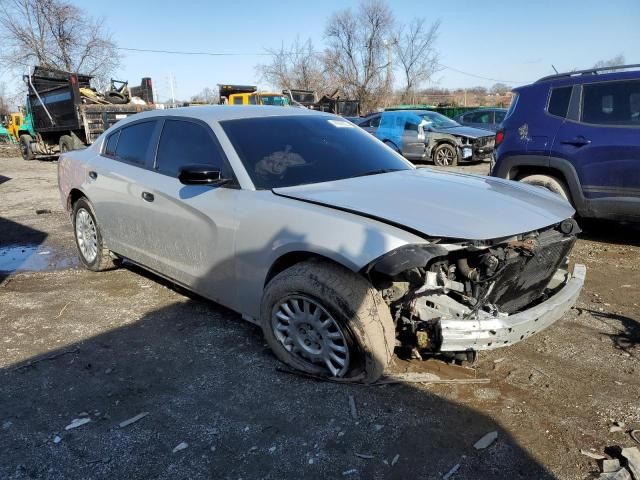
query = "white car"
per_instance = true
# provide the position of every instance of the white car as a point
(331, 241)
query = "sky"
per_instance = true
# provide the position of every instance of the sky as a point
(513, 42)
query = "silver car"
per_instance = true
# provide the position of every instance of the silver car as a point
(332, 242)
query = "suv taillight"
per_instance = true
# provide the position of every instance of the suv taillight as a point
(499, 137)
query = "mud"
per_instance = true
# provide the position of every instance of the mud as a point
(112, 345)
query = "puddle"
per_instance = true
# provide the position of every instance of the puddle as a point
(34, 258)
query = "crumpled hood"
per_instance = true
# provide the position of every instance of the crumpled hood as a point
(441, 204)
(463, 131)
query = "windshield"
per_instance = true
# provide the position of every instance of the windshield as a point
(301, 149)
(438, 121)
(278, 100)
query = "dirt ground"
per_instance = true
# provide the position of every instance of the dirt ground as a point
(108, 346)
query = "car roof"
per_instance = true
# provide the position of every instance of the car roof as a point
(583, 77)
(219, 113)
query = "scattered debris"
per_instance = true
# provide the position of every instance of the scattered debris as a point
(77, 422)
(131, 420)
(635, 434)
(63, 309)
(180, 446)
(352, 406)
(615, 428)
(595, 456)
(451, 472)
(632, 455)
(57, 439)
(44, 252)
(395, 459)
(51, 357)
(42, 211)
(486, 440)
(366, 456)
(622, 474)
(499, 360)
(610, 466)
(253, 449)
(350, 472)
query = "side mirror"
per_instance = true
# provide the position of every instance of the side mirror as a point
(201, 175)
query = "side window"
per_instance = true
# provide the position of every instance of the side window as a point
(112, 141)
(375, 122)
(237, 100)
(611, 103)
(18, 121)
(559, 101)
(252, 99)
(410, 126)
(133, 142)
(183, 143)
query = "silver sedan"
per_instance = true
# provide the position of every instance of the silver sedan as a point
(334, 244)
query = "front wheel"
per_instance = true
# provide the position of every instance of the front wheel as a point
(25, 147)
(92, 251)
(325, 320)
(553, 184)
(445, 155)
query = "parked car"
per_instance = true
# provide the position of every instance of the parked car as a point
(578, 134)
(305, 231)
(423, 135)
(484, 118)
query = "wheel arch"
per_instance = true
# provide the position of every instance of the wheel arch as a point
(292, 258)
(74, 195)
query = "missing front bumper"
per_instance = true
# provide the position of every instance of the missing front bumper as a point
(487, 334)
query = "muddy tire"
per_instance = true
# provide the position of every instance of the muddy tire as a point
(350, 313)
(25, 147)
(445, 155)
(549, 182)
(66, 143)
(92, 250)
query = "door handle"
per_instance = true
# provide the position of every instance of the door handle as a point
(147, 196)
(577, 141)
(93, 175)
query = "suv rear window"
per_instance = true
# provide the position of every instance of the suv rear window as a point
(559, 101)
(612, 103)
(134, 142)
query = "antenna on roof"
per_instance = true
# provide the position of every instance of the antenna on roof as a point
(554, 69)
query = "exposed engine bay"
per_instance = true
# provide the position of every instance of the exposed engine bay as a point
(471, 281)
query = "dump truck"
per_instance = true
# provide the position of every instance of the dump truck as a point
(67, 113)
(249, 95)
(332, 103)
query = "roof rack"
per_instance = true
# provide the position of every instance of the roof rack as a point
(590, 71)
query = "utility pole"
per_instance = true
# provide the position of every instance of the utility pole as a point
(173, 93)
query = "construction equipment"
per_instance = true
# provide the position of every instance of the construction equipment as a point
(67, 113)
(249, 95)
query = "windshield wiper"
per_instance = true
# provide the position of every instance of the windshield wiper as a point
(379, 171)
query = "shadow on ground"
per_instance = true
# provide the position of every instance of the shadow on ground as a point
(17, 243)
(211, 382)
(608, 231)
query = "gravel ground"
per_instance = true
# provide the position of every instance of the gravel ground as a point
(106, 347)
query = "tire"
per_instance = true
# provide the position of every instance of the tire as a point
(25, 147)
(549, 182)
(85, 234)
(359, 318)
(392, 146)
(66, 143)
(445, 155)
(116, 98)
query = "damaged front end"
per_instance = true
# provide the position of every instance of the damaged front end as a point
(469, 296)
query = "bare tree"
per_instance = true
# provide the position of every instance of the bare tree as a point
(500, 89)
(55, 34)
(612, 62)
(416, 55)
(5, 100)
(297, 66)
(357, 56)
(207, 95)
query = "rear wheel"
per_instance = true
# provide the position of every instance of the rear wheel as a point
(93, 253)
(549, 182)
(25, 147)
(323, 319)
(66, 143)
(445, 155)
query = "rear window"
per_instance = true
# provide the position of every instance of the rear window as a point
(612, 103)
(134, 141)
(559, 101)
(297, 150)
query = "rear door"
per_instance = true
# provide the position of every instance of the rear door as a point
(114, 186)
(189, 229)
(603, 144)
